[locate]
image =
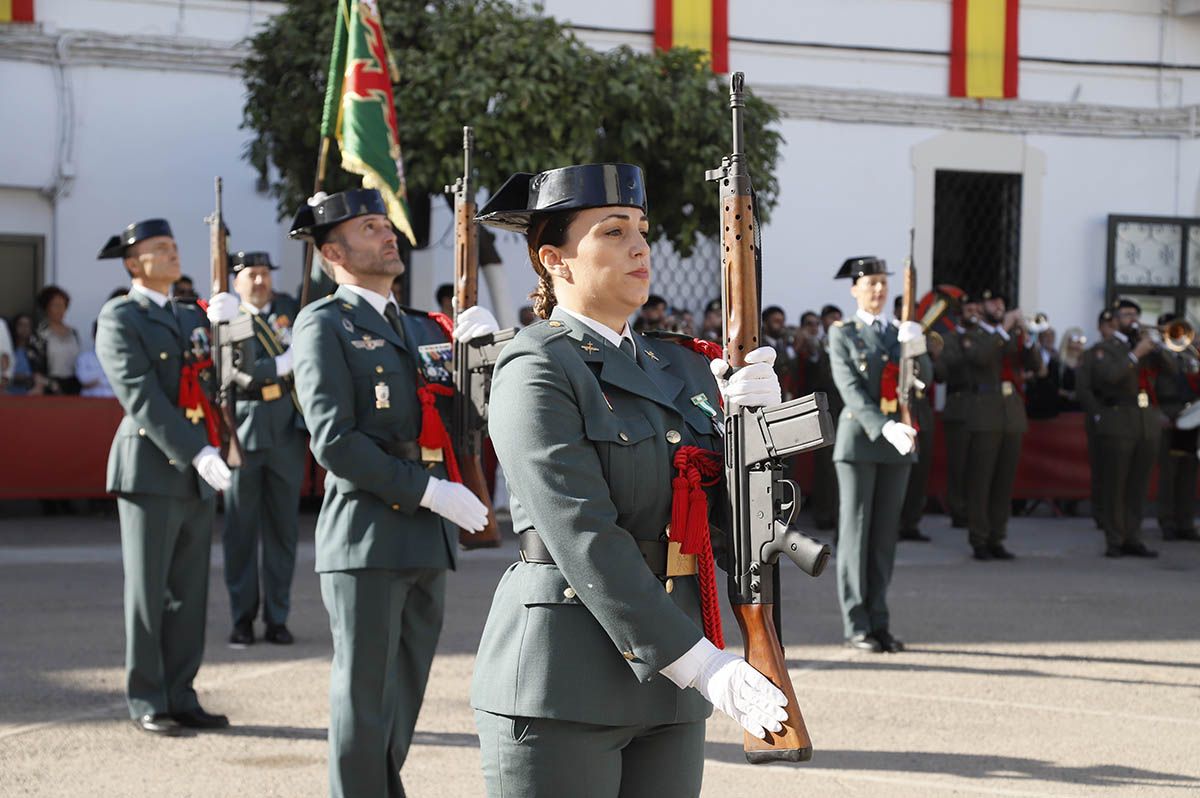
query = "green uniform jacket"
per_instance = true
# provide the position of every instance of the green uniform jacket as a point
(922, 404)
(142, 348)
(357, 384)
(950, 369)
(585, 438)
(858, 355)
(987, 408)
(820, 378)
(1111, 390)
(266, 424)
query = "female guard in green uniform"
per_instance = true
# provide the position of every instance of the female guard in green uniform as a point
(594, 640)
(872, 455)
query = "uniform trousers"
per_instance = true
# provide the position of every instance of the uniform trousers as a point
(261, 508)
(548, 758)
(1176, 485)
(871, 495)
(385, 626)
(1093, 448)
(1125, 465)
(955, 434)
(918, 482)
(824, 499)
(165, 546)
(992, 468)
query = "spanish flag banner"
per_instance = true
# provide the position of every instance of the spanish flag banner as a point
(699, 24)
(16, 11)
(984, 57)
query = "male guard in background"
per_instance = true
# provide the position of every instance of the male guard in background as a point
(950, 369)
(1174, 391)
(387, 530)
(921, 409)
(164, 469)
(1119, 390)
(994, 351)
(264, 500)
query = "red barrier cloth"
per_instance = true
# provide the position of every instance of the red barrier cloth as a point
(56, 447)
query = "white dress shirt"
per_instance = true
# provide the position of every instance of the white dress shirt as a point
(603, 330)
(377, 301)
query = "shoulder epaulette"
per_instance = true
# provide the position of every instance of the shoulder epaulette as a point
(709, 349)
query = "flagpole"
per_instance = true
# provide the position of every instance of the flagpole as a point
(309, 249)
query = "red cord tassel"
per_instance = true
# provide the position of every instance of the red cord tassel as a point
(433, 429)
(697, 468)
(193, 399)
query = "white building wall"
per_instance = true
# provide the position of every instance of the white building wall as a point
(142, 137)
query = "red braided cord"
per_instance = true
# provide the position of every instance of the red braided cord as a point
(695, 469)
(444, 322)
(192, 396)
(433, 429)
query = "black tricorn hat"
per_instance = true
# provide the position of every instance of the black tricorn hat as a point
(244, 260)
(571, 188)
(314, 219)
(861, 267)
(138, 231)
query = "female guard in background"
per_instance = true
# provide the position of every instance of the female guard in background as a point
(872, 455)
(597, 665)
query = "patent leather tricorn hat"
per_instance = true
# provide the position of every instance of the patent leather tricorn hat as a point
(524, 197)
(861, 266)
(138, 231)
(319, 215)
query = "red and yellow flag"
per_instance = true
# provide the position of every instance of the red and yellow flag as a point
(699, 24)
(984, 57)
(16, 10)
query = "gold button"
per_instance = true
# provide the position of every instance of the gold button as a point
(629, 655)
(142, 431)
(624, 437)
(162, 355)
(554, 323)
(395, 507)
(569, 593)
(379, 369)
(170, 462)
(670, 585)
(673, 436)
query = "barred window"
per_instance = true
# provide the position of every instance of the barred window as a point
(1155, 261)
(977, 231)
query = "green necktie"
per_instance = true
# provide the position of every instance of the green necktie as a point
(393, 317)
(627, 348)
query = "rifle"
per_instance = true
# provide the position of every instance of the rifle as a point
(908, 383)
(473, 361)
(757, 441)
(228, 340)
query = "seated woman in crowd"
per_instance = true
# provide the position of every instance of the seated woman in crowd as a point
(55, 346)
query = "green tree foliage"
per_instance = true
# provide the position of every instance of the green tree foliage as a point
(537, 97)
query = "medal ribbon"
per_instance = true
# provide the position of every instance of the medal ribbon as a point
(696, 469)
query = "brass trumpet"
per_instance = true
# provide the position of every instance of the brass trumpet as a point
(1038, 324)
(1176, 335)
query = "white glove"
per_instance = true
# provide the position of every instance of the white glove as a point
(909, 331)
(283, 363)
(902, 436)
(212, 468)
(733, 686)
(456, 503)
(754, 385)
(223, 307)
(474, 322)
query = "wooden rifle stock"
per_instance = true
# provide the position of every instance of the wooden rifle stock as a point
(908, 312)
(740, 294)
(466, 295)
(231, 448)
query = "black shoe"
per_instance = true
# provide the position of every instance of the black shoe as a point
(915, 535)
(1137, 550)
(982, 553)
(888, 643)
(242, 635)
(1114, 552)
(199, 719)
(161, 724)
(278, 634)
(998, 552)
(864, 643)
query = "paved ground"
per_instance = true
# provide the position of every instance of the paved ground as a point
(1060, 674)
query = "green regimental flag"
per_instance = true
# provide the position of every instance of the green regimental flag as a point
(360, 109)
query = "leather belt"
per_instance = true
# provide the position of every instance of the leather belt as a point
(654, 552)
(1004, 388)
(405, 450)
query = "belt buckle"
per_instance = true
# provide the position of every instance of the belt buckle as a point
(431, 455)
(1006, 388)
(1143, 399)
(888, 406)
(678, 563)
(271, 392)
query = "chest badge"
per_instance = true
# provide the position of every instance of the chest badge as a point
(383, 396)
(590, 348)
(651, 355)
(368, 343)
(700, 400)
(349, 327)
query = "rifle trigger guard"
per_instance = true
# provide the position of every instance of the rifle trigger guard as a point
(790, 507)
